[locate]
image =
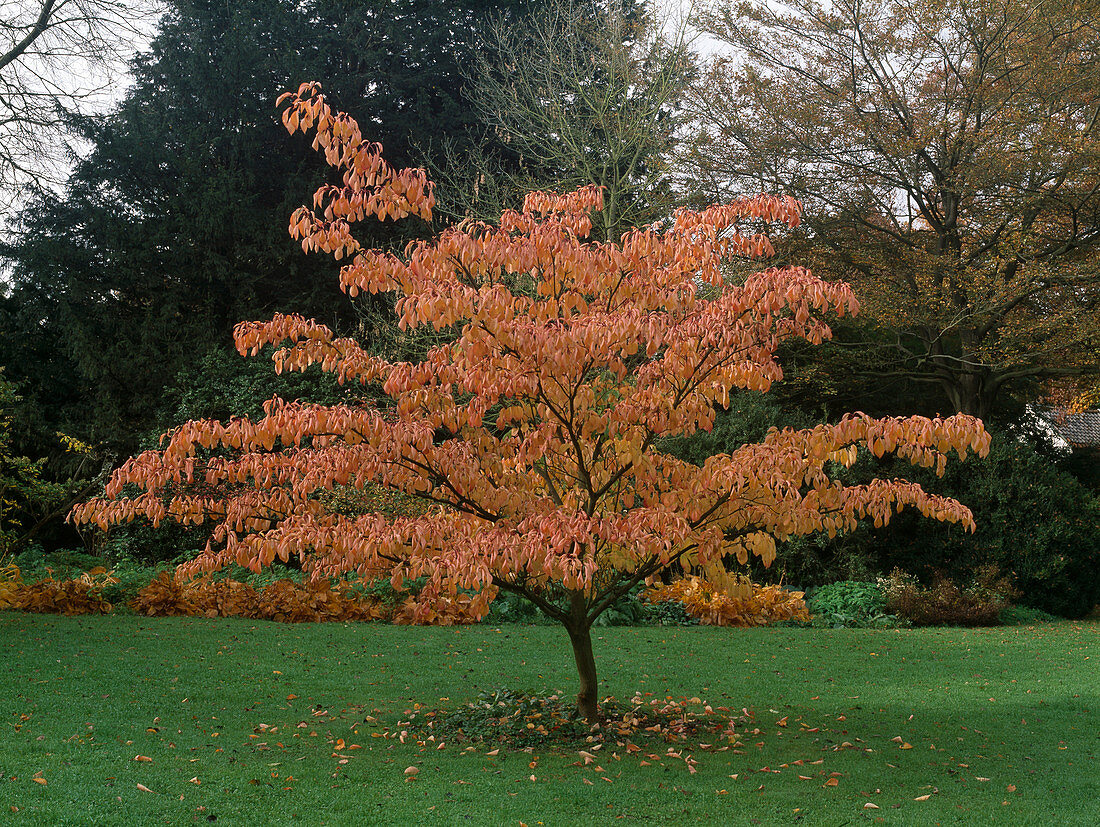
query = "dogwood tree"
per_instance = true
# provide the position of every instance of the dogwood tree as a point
(535, 431)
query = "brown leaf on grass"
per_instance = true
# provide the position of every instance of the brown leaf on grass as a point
(1011, 788)
(870, 805)
(40, 780)
(832, 782)
(906, 745)
(142, 758)
(924, 797)
(144, 789)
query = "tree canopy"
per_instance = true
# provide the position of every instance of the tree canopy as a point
(168, 231)
(534, 431)
(56, 55)
(580, 93)
(946, 151)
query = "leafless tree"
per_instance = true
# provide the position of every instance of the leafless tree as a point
(57, 56)
(588, 94)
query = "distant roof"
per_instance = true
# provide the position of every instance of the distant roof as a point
(1080, 430)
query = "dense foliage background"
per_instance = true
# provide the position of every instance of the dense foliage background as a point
(120, 292)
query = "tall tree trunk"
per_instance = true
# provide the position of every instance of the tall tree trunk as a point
(970, 393)
(580, 634)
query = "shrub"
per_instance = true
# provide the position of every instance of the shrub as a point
(283, 600)
(11, 581)
(945, 603)
(741, 604)
(670, 613)
(1033, 521)
(76, 596)
(850, 603)
(512, 608)
(1024, 616)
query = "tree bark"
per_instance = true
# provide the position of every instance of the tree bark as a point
(580, 634)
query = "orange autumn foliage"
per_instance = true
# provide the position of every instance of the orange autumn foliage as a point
(283, 600)
(75, 596)
(740, 604)
(534, 433)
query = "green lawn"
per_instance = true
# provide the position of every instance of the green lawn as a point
(241, 721)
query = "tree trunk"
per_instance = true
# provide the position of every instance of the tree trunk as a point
(970, 393)
(580, 634)
(586, 669)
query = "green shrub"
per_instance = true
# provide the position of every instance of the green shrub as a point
(1035, 522)
(511, 608)
(849, 603)
(1024, 616)
(670, 613)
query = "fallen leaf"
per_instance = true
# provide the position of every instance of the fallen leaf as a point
(144, 789)
(411, 770)
(906, 745)
(980, 778)
(142, 758)
(924, 797)
(40, 780)
(194, 780)
(1011, 788)
(832, 782)
(870, 805)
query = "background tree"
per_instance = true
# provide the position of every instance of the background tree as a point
(946, 151)
(579, 92)
(168, 233)
(56, 55)
(28, 501)
(534, 431)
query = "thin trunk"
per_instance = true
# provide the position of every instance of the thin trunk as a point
(580, 634)
(586, 669)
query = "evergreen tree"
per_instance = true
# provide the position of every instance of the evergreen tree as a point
(173, 228)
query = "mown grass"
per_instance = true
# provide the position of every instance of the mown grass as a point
(1003, 724)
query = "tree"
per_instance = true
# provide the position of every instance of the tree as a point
(946, 151)
(28, 502)
(579, 92)
(55, 55)
(169, 230)
(533, 432)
